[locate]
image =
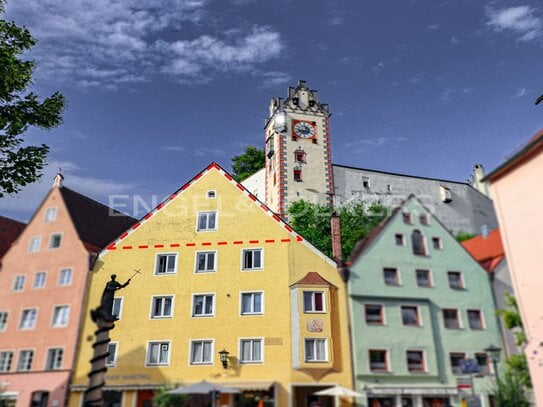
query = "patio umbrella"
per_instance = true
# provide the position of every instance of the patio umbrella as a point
(337, 392)
(203, 387)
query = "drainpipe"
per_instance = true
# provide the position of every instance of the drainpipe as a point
(336, 238)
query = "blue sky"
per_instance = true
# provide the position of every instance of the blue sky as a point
(158, 89)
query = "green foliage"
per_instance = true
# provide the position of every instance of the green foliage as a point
(462, 236)
(246, 164)
(163, 399)
(517, 366)
(19, 110)
(312, 221)
(510, 392)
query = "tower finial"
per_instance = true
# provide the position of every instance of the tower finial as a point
(59, 178)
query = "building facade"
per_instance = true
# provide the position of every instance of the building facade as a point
(10, 230)
(219, 271)
(515, 188)
(42, 288)
(419, 306)
(299, 166)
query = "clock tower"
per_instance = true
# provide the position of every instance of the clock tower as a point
(298, 157)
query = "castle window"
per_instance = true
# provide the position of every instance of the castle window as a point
(366, 182)
(297, 174)
(299, 156)
(417, 240)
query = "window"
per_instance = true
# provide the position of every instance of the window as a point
(205, 262)
(391, 276)
(3, 320)
(166, 264)
(202, 305)
(61, 314)
(417, 240)
(410, 315)
(117, 307)
(299, 156)
(407, 218)
(28, 319)
(50, 215)
(423, 278)
(19, 283)
(456, 359)
(450, 317)
(424, 219)
(207, 221)
(455, 279)
(158, 353)
(482, 361)
(34, 244)
(475, 319)
(39, 279)
(201, 352)
(5, 361)
(54, 240)
(111, 360)
(313, 301)
(251, 303)
(374, 314)
(415, 361)
(162, 307)
(436, 243)
(399, 239)
(25, 360)
(211, 194)
(315, 350)
(297, 172)
(65, 277)
(365, 182)
(378, 360)
(252, 259)
(445, 193)
(250, 350)
(54, 359)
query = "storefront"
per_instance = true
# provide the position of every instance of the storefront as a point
(388, 396)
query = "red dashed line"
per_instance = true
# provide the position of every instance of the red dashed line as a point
(285, 240)
(287, 227)
(143, 246)
(264, 207)
(228, 176)
(299, 238)
(240, 187)
(175, 245)
(277, 218)
(222, 243)
(148, 215)
(197, 177)
(127, 247)
(252, 197)
(123, 235)
(190, 244)
(185, 186)
(213, 165)
(206, 243)
(238, 241)
(253, 241)
(136, 225)
(172, 196)
(159, 246)
(160, 206)
(270, 240)
(111, 247)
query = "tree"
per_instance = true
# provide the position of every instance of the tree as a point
(246, 164)
(462, 236)
(19, 109)
(509, 392)
(164, 399)
(312, 221)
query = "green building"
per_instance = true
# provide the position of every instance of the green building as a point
(420, 306)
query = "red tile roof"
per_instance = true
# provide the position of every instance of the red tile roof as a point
(487, 251)
(9, 231)
(313, 278)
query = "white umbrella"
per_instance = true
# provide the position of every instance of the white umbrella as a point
(338, 391)
(203, 387)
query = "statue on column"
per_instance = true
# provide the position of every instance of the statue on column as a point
(105, 310)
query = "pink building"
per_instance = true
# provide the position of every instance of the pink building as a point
(42, 288)
(518, 197)
(9, 231)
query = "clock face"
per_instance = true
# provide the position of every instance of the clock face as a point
(304, 130)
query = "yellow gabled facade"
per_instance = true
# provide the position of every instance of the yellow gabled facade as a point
(220, 271)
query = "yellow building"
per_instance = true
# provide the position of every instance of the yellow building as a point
(219, 271)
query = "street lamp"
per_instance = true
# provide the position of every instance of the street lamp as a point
(224, 358)
(494, 353)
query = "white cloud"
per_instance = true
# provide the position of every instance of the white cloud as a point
(113, 43)
(273, 79)
(446, 94)
(454, 40)
(521, 20)
(433, 27)
(335, 21)
(379, 67)
(520, 93)
(198, 152)
(361, 145)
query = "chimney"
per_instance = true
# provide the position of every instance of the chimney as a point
(336, 238)
(485, 231)
(57, 181)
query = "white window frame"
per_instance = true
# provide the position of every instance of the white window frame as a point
(196, 261)
(325, 340)
(60, 283)
(16, 279)
(430, 278)
(34, 286)
(252, 293)
(252, 361)
(27, 369)
(120, 300)
(193, 305)
(252, 249)
(114, 363)
(207, 228)
(4, 325)
(56, 309)
(55, 367)
(439, 241)
(31, 248)
(162, 297)
(212, 352)
(481, 317)
(161, 343)
(211, 194)
(61, 235)
(398, 275)
(401, 236)
(313, 310)
(34, 321)
(166, 273)
(419, 317)
(50, 219)
(424, 364)
(6, 369)
(458, 317)
(383, 313)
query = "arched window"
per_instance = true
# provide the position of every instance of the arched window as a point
(417, 240)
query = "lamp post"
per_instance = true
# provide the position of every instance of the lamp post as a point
(223, 354)
(494, 353)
